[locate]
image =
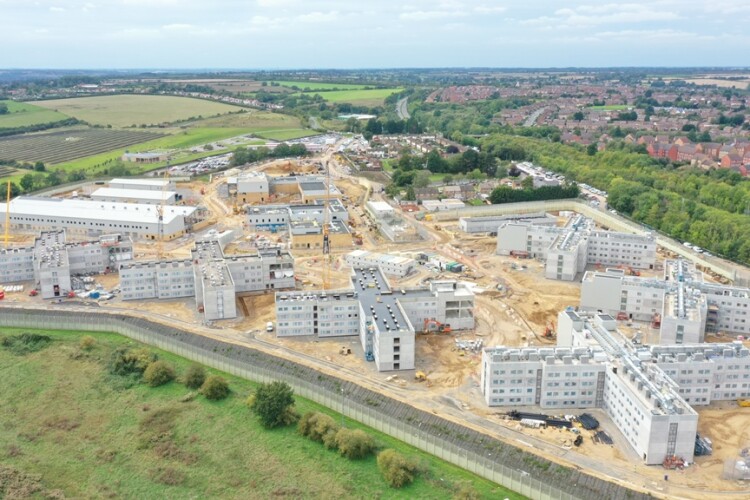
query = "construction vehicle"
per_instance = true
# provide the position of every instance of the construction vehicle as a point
(656, 320)
(622, 316)
(550, 331)
(632, 272)
(420, 376)
(345, 351)
(71, 294)
(433, 325)
(33, 292)
(2, 294)
(745, 403)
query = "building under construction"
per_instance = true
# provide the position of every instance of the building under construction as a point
(680, 304)
(384, 319)
(51, 261)
(212, 277)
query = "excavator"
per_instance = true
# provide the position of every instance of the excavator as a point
(550, 331)
(432, 325)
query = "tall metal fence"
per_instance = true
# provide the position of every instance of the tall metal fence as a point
(491, 458)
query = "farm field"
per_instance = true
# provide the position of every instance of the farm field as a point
(65, 145)
(253, 119)
(312, 86)
(22, 114)
(127, 110)
(87, 433)
(371, 97)
(285, 134)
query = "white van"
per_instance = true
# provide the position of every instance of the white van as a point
(269, 326)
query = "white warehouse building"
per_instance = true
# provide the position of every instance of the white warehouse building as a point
(144, 196)
(143, 184)
(491, 223)
(94, 218)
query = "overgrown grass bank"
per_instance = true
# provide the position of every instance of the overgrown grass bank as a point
(89, 433)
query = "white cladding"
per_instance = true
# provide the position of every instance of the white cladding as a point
(567, 250)
(145, 196)
(390, 264)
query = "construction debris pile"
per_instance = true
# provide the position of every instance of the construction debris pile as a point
(469, 345)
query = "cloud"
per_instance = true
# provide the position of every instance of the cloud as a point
(57, 9)
(429, 15)
(177, 27)
(489, 9)
(594, 15)
(318, 17)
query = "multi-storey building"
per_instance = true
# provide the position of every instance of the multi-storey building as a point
(212, 277)
(595, 366)
(385, 320)
(490, 224)
(685, 306)
(390, 264)
(52, 260)
(567, 250)
(278, 217)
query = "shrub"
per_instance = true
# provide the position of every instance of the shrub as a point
(195, 376)
(26, 343)
(395, 468)
(87, 343)
(319, 427)
(465, 491)
(273, 404)
(125, 361)
(158, 373)
(354, 443)
(215, 388)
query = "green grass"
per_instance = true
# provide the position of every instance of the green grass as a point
(21, 114)
(66, 419)
(312, 86)
(372, 97)
(252, 119)
(285, 135)
(609, 107)
(127, 110)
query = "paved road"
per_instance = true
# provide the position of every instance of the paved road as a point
(531, 120)
(402, 108)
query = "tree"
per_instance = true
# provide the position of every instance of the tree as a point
(215, 388)
(410, 194)
(158, 373)
(195, 376)
(591, 149)
(27, 182)
(421, 179)
(448, 179)
(395, 468)
(3, 108)
(578, 116)
(319, 427)
(354, 443)
(274, 404)
(527, 182)
(39, 166)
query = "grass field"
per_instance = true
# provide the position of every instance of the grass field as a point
(610, 107)
(85, 433)
(371, 97)
(22, 114)
(312, 86)
(285, 135)
(127, 110)
(65, 145)
(253, 119)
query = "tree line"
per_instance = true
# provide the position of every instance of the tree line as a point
(243, 156)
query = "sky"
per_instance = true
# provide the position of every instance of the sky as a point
(288, 34)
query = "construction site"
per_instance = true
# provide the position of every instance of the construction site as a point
(514, 305)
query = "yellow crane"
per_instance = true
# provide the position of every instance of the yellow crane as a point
(160, 214)
(7, 217)
(326, 233)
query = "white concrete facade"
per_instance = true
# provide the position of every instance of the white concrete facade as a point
(566, 251)
(595, 366)
(490, 224)
(390, 264)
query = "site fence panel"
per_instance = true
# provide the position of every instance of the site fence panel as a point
(495, 460)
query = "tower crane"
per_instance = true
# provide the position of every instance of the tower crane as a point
(160, 214)
(326, 231)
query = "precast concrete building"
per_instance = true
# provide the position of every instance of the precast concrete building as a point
(595, 366)
(142, 196)
(394, 265)
(490, 224)
(212, 277)
(567, 250)
(384, 319)
(51, 261)
(685, 306)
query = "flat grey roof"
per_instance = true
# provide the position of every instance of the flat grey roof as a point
(378, 300)
(312, 186)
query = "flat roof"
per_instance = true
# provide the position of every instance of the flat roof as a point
(380, 206)
(378, 301)
(90, 209)
(142, 194)
(312, 186)
(141, 182)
